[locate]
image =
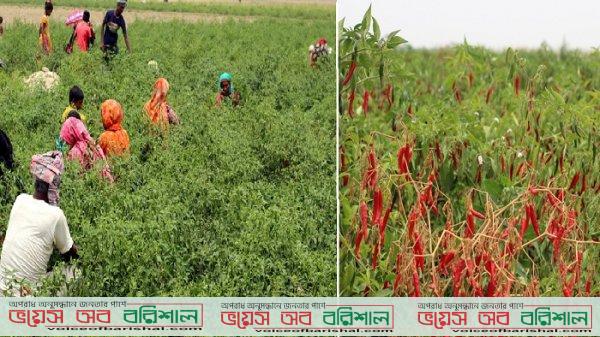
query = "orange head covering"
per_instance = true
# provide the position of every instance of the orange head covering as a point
(112, 115)
(115, 140)
(156, 107)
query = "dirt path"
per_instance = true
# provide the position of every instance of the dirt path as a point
(31, 14)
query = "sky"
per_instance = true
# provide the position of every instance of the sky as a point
(496, 24)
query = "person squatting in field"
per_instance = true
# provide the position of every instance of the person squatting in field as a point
(35, 227)
(44, 29)
(6, 152)
(157, 108)
(82, 146)
(317, 50)
(84, 34)
(226, 90)
(114, 141)
(113, 20)
(75, 104)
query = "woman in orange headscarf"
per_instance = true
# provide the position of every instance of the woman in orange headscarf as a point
(157, 108)
(114, 141)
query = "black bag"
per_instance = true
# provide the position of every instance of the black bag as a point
(69, 46)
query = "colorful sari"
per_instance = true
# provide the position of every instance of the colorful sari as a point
(157, 108)
(81, 146)
(114, 141)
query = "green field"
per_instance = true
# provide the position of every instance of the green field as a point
(267, 9)
(233, 202)
(444, 190)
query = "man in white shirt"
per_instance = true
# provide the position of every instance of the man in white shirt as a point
(35, 227)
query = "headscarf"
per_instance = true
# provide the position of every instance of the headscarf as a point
(48, 168)
(156, 107)
(112, 115)
(226, 77)
(115, 140)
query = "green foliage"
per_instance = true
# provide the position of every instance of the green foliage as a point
(233, 202)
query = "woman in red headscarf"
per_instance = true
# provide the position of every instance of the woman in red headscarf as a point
(317, 50)
(157, 108)
(114, 141)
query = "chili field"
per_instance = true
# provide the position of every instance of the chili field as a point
(466, 171)
(232, 202)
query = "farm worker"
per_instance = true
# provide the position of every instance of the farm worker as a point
(35, 227)
(75, 103)
(81, 145)
(6, 152)
(114, 141)
(113, 20)
(317, 50)
(84, 33)
(157, 108)
(44, 30)
(1, 27)
(226, 90)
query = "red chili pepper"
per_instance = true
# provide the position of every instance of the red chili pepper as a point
(533, 190)
(457, 274)
(470, 229)
(346, 177)
(488, 95)
(445, 260)
(377, 206)
(524, 225)
(471, 79)
(365, 103)
(553, 200)
(502, 164)
(588, 285)
(533, 218)
(413, 217)
(438, 151)
(517, 84)
(350, 72)
(416, 285)
(351, 103)
(583, 185)
(362, 232)
(404, 158)
(457, 95)
(375, 256)
(477, 214)
(398, 269)
(574, 181)
(418, 250)
(387, 94)
(371, 174)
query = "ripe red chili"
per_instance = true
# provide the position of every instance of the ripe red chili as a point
(574, 181)
(365, 103)
(488, 95)
(377, 206)
(416, 284)
(351, 103)
(530, 209)
(517, 84)
(350, 72)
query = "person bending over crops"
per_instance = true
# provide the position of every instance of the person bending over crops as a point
(82, 146)
(113, 20)
(114, 141)
(6, 152)
(35, 227)
(84, 33)
(44, 30)
(317, 50)
(226, 90)
(157, 108)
